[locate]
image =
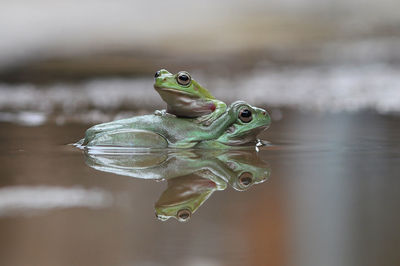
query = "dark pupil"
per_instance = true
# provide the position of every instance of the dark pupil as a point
(246, 113)
(183, 77)
(245, 180)
(157, 74)
(184, 215)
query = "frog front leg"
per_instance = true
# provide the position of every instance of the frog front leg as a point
(217, 107)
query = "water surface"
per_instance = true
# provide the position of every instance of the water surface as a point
(331, 198)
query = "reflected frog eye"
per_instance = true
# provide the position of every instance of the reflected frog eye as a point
(245, 179)
(183, 78)
(184, 215)
(245, 115)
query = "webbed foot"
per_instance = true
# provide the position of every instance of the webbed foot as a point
(205, 120)
(208, 119)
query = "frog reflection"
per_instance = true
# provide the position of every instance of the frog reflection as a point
(192, 175)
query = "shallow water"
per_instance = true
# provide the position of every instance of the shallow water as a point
(330, 197)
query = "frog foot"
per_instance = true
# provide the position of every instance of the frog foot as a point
(205, 120)
(163, 113)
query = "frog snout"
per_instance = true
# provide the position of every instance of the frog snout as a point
(162, 73)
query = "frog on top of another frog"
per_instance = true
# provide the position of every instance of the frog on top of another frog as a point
(186, 98)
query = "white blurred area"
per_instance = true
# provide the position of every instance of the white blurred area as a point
(28, 200)
(330, 55)
(327, 89)
(42, 28)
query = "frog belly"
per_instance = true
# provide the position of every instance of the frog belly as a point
(184, 106)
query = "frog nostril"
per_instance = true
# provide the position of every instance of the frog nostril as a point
(158, 73)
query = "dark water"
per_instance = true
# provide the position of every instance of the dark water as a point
(329, 194)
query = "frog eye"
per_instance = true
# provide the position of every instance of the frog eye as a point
(184, 215)
(245, 115)
(183, 78)
(245, 179)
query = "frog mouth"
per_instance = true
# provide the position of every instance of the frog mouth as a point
(172, 91)
(244, 137)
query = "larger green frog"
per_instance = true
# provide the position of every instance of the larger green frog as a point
(239, 125)
(187, 98)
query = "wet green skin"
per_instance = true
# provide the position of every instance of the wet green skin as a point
(241, 134)
(192, 175)
(153, 131)
(192, 100)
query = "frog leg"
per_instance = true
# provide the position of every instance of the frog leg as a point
(134, 138)
(183, 144)
(214, 144)
(219, 108)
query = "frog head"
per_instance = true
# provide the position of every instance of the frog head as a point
(248, 168)
(249, 123)
(185, 194)
(181, 84)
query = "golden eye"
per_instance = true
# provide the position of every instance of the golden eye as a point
(245, 179)
(183, 78)
(245, 115)
(184, 215)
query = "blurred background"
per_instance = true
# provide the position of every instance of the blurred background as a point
(328, 72)
(71, 57)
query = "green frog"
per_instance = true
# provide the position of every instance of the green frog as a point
(237, 126)
(187, 98)
(192, 176)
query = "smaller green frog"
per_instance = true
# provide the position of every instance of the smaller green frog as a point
(187, 98)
